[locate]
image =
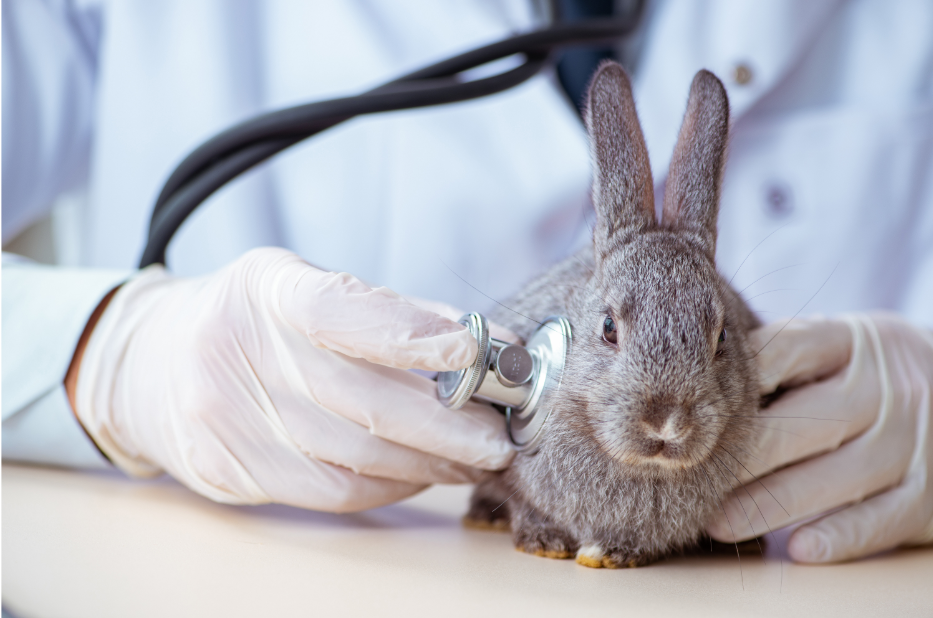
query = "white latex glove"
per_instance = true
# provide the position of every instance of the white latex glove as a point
(273, 381)
(858, 433)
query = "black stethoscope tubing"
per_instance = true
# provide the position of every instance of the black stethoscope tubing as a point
(236, 150)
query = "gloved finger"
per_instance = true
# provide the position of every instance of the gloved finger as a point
(339, 312)
(346, 492)
(321, 486)
(335, 439)
(793, 494)
(299, 395)
(264, 464)
(450, 312)
(395, 405)
(402, 407)
(800, 351)
(883, 522)
(809, 420)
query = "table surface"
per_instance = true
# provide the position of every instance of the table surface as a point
(99, 544)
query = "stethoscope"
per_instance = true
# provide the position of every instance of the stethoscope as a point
(515, 377)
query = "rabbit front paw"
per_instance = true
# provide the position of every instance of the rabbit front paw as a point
(545, 541)
(534, 534)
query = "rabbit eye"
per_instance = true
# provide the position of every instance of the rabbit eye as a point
(610, 334)
(722, 340)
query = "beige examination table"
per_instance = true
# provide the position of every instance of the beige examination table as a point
(98, 544)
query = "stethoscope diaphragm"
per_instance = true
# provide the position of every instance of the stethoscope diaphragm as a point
(513, 376)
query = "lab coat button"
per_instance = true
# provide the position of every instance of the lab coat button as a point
(778, 202)
(742, 74)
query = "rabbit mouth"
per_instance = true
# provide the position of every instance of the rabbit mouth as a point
(650, 451)
(664, 460)
(672, 454)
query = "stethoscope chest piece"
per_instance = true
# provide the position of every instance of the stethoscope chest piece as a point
(510, 375)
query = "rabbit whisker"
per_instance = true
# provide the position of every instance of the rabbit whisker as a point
(726, 515)
(763, 518)
(772, 292)
(787, 431)
(768, 418)
(504, 501)
(801, 309)
(490, 297)
(767, 275)
(761, 242)
(740, 451)
(583, 264)
(713, 455)
(758, 480)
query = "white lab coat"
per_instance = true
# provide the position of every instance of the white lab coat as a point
(832, 145)
(831, 152)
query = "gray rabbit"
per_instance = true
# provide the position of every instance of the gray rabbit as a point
(654, 414)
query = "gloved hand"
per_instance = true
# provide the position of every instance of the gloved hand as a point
(858, 432)
(273, 381)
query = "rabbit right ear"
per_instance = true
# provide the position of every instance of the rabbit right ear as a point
(623, 190)
(691, 200)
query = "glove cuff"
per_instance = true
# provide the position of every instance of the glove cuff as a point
(101, 364)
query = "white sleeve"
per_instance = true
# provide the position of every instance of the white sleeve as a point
(49, 75)
(45, 310)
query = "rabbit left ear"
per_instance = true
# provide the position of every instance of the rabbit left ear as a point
(623, 192)
(691, 198)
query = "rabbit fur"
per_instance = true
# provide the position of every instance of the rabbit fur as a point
(646, 434)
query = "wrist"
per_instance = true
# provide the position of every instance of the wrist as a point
(99, 382)
(71, 376)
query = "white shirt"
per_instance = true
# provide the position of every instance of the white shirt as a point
(831, 150)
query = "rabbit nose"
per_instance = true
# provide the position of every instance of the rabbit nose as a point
(664, 423)
(670, 431)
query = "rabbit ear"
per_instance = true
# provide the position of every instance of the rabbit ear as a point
(623, 192)
(691, 198)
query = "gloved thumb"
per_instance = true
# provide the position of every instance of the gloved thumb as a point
(339, 312)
